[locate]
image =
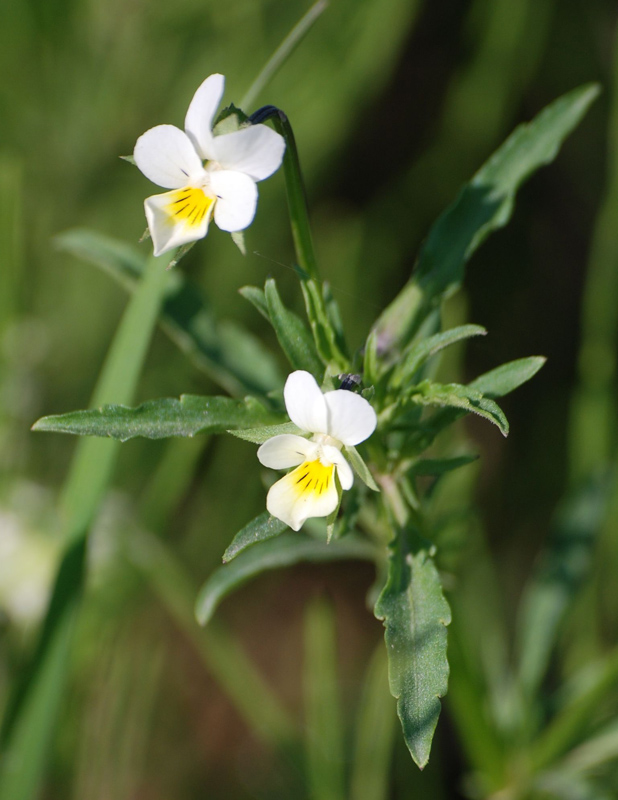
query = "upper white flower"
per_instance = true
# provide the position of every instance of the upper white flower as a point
(335, 419)
(208, 174)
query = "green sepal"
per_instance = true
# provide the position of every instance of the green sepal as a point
(230, 120)
(238, 237)
(258, 530)
(294, 338)
(129, 159)
(159, 419)
(361, 469)
(415, 615)
(266, 432)
(181, 253)
(331, 519)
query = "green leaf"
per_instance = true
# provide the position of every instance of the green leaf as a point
(226, 352)
(419, 353)
(158, 419)
(266, 432)
(483, 206)
(258, 530)
(564, 565)
(508, 377)
(327, 342)
(283, 551)
(440, 466)
(453, 395)
(415, 615)
(257, 298)
(371, 362)
(361, 469)
(293, 336)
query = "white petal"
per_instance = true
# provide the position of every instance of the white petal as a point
(201, 113)
(305, 402)
(351, 419)
(257, 151)
(166, 157)
(285, 451)
(344, 470)
(237, 199)
(167, 229)
(292, 502)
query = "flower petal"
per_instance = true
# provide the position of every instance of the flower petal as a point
(305, 402)
(351, 419)
(308, 491)
(178, 217)
(237, 199)
(166, 157)
(256, 150)
(285, 451)
(201, 113)
(344, 470)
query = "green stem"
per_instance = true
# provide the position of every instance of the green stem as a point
(297, 199)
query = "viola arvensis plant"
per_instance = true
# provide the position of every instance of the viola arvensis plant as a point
(209, 175)
(335, 419)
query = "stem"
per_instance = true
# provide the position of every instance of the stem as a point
(297, 199)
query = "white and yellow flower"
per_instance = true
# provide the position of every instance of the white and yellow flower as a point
(335, 419)
(209, 175)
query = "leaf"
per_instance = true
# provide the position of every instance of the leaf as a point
(293, 336)
(484, 205)
(328, 344)
(415, 615)
(562, 569)
(158, 419)
(508, 377)
(257, 298)
(453, 395)
(419, 353)
(361, 469)
(234, 358)
(266, 432)
(258, 530)
(283, 551)
(440, 466)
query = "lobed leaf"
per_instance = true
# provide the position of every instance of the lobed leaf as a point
(284, 551)
(159, 419)
(415, 615)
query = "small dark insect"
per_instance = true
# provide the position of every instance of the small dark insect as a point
(349, 381)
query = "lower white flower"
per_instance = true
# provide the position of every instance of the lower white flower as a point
(335, 419)
(209, 175)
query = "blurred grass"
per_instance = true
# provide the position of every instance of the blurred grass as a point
(394, 103)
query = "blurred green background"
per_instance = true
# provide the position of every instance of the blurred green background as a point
(395, 103)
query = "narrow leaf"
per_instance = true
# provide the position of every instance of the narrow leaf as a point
(508, 377)
(258, 530)
(266, 432)
(415, 615)
(483, 206)
(158, 419)
(257, 298)
(293, 336)
(283, 551)
(419, 353)
(452, 395)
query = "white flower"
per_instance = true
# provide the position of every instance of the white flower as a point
(208, 174)
(335, 419)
